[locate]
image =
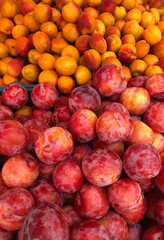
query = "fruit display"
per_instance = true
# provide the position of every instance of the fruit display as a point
(81, 119)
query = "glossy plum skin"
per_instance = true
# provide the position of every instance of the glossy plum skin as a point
(43, 191)
(147, 184)
(114, 106)
(109, 80)
(55, 144)
(84, 97)
(72, 215)
(159, 180)
(43, 115)
(159, 211)
(22, 176)
(22, 118)
(154, 116)
(82, 125)
(80, 150)
(44, 96)
(138, 81)
(3, 187)
(5, 113)
(154, 86)
(47, 221)
(141, 161)
(61, 114)
(91, 201)
(13, 137)
(154, 232)
(46, 170)
(108, 173)
(114, 126)
(14, 96)
(120, 197)
(135, 232)
(115, 225)
(89, 229)
(14, 206)
(67, 176)
(5, 234)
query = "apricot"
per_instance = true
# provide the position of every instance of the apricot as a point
(112, 30)
(57, 45)
(82, 43)
(151, 59)
(65, 84)
(46, 61)
(6, 26)
(127, 73)
(30, 22)
(50, 29)
(152, 34)
(25, 110)
(3, 37)
(49, 76)
(161, 26)
(27, 6)
(158, 49)
(142, 48)
(14, 67)
(92, 59)
(71, 12)
(70, 32)
(99, 27)
(127, 53)
(55, 14)
(120, 24)
(31, 72)
(135, 99)
(41, 41)
(71, 51)
(140, 33)
(97, 42)
(42, 12)
(108, 54)
(131, 27)
(138, 67)
(66, 65)
(107, 18)
(119, 13)
(133, 14)
(155, 13)
(141, 134)
(85, 23)
(111, 60)
(9, 8)
(22, 46)
(128, 4)
(108, 6)
(82, 75)
(20, 31)
(151, 70)
(33, 56)
(147, 19)
(128, 38)
(4, 51)
(7, 79)
(113, 43)
(91, 11)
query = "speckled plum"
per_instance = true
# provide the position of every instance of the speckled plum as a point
(159, 212)
(5, 234)
(154, 232)
(43, 115)
(5, 113)
(61, 114)
(72, 215)
(135, 232)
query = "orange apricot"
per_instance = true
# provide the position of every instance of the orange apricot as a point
(6, 26)
(3, 37)
(23, 80)
(111, 60)
(127, 73)
(41, 41)
(92, 59)
(107, 54)
(49, 76)
(92, 11)
(46, 61)
(97, 42)
(150, 59)
(4, 51)
(20, 31)
(30, 22)
(128, 4)
(1, 81)
(120, 24)
(137, 67)
(158, 49)
(112, 30)
(10, 43)
(55, 14)
(155, 13)
(140, 33)
(33, 56)
(119, 13)
(158, 142)
(85, 23)
(57, 45)
(128, 38)
(107, 18)
(42, 12)
(82, 75)
(71, 12)
(152, 34)
(147, 19)
(65, 84)
(99, 27)
(31, 72)
(66, 65)
(25, 110)
(161, 26)
(127, 53)
(70, 32)
(133, 14)
(142, 48)
(71, 51)
(151, 70)
(131, 27)
(7, 79)
(94, 3)
(50, 29)
(27, 6)
(113, 43)
(9, 8)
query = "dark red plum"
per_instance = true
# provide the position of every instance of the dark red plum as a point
(5, 234)
(159, 180)
(80, 150)
(89, 229)
(114, 106)
(5, 113)
(84, 97)
(91, 201)
(14, 206)
(102, 167)
(15, 96)
(141, 161)
(115, 225)
(72, 215)
(68, 177)
(43, 191)
(43, 115)
(44, 96)
(135, 232)
(147, 184)
(61, 115)
(114, 126)
(22, 118)
(46, 170)
(45, 221)
(154, 116)
(138, 81)
(13, 137)
(154, 232)
(159, 211)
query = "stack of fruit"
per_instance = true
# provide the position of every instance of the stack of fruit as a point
(85, 160)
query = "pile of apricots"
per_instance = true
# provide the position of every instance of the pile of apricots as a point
(64, 42)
